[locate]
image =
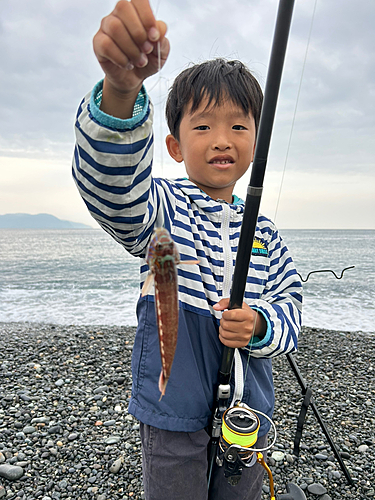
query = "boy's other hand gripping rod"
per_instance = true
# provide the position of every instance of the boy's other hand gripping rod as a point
(250, 216)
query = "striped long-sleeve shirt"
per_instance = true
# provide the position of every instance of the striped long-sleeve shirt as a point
(112, 168)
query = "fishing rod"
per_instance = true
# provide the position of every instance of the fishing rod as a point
(246, 418)
(250, 215)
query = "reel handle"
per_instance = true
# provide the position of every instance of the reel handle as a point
(294, 492)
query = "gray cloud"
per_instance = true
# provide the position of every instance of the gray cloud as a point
(47, 65)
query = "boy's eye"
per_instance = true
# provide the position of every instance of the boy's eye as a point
(202, 127)
(239, 127)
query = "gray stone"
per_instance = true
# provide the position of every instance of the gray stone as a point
(72, 436)
(22, 463)
(63, 484)
(109, 423)
(321, 456)
(2, 458)
(363, 448)
(316, 489)
(54, 429)
(29, 429)
(116, 466)
(40, 420)
(59, 382)
(290, 458)
(112, 440)
(101, 389)
(278, 456)
(2, 491)
(11, 472)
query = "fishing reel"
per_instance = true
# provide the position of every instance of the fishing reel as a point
(239, 433)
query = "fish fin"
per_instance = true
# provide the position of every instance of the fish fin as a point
(147, 284)
(162, 384)
(189, 261)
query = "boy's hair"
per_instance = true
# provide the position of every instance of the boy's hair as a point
(215, 80)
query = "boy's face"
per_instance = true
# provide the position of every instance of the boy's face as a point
(217, 146)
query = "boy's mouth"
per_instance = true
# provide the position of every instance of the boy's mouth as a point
(221, 160)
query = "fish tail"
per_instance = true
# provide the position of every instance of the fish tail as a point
(162, 384)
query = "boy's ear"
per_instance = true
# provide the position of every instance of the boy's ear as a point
(173, 147)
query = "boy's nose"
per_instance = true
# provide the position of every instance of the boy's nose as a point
(221, 143)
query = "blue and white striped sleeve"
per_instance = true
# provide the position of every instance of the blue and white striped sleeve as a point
(112, 169)
(280, 304)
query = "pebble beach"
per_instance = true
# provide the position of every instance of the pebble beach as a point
(65, 432)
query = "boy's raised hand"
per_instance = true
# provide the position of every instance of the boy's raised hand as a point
(126, 47)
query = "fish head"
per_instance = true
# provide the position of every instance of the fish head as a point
(161, 245)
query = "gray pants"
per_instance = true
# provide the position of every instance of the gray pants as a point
(175, 467)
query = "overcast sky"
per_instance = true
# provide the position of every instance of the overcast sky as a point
(47, 65)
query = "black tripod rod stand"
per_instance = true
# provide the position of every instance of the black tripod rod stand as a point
(250, 216)
(323, 426)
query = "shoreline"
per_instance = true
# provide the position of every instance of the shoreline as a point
(34, 324)
(64, 392)
(29, 325)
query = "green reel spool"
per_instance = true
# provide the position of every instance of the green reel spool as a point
(240, 426)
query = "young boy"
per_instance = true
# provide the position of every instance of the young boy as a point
(213, 113)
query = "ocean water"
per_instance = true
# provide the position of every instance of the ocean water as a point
(337, 304)
(85, 277)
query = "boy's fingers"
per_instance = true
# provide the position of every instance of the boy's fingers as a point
(231, 341)
(237, 315)
(221, 305)
(106, 50)
(161, 28)
(228, 327)
(115, 29)
(147, 18)
(140, 21)
(133, 21)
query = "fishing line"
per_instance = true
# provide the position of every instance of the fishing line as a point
(295, 111)
(159, 103)
(326, 271)
(161, 114)
(160, 99)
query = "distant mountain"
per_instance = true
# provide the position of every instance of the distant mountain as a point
(38, 221)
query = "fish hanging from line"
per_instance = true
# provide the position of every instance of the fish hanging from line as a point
(162, 258)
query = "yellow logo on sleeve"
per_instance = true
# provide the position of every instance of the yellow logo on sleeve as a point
(259, 247)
